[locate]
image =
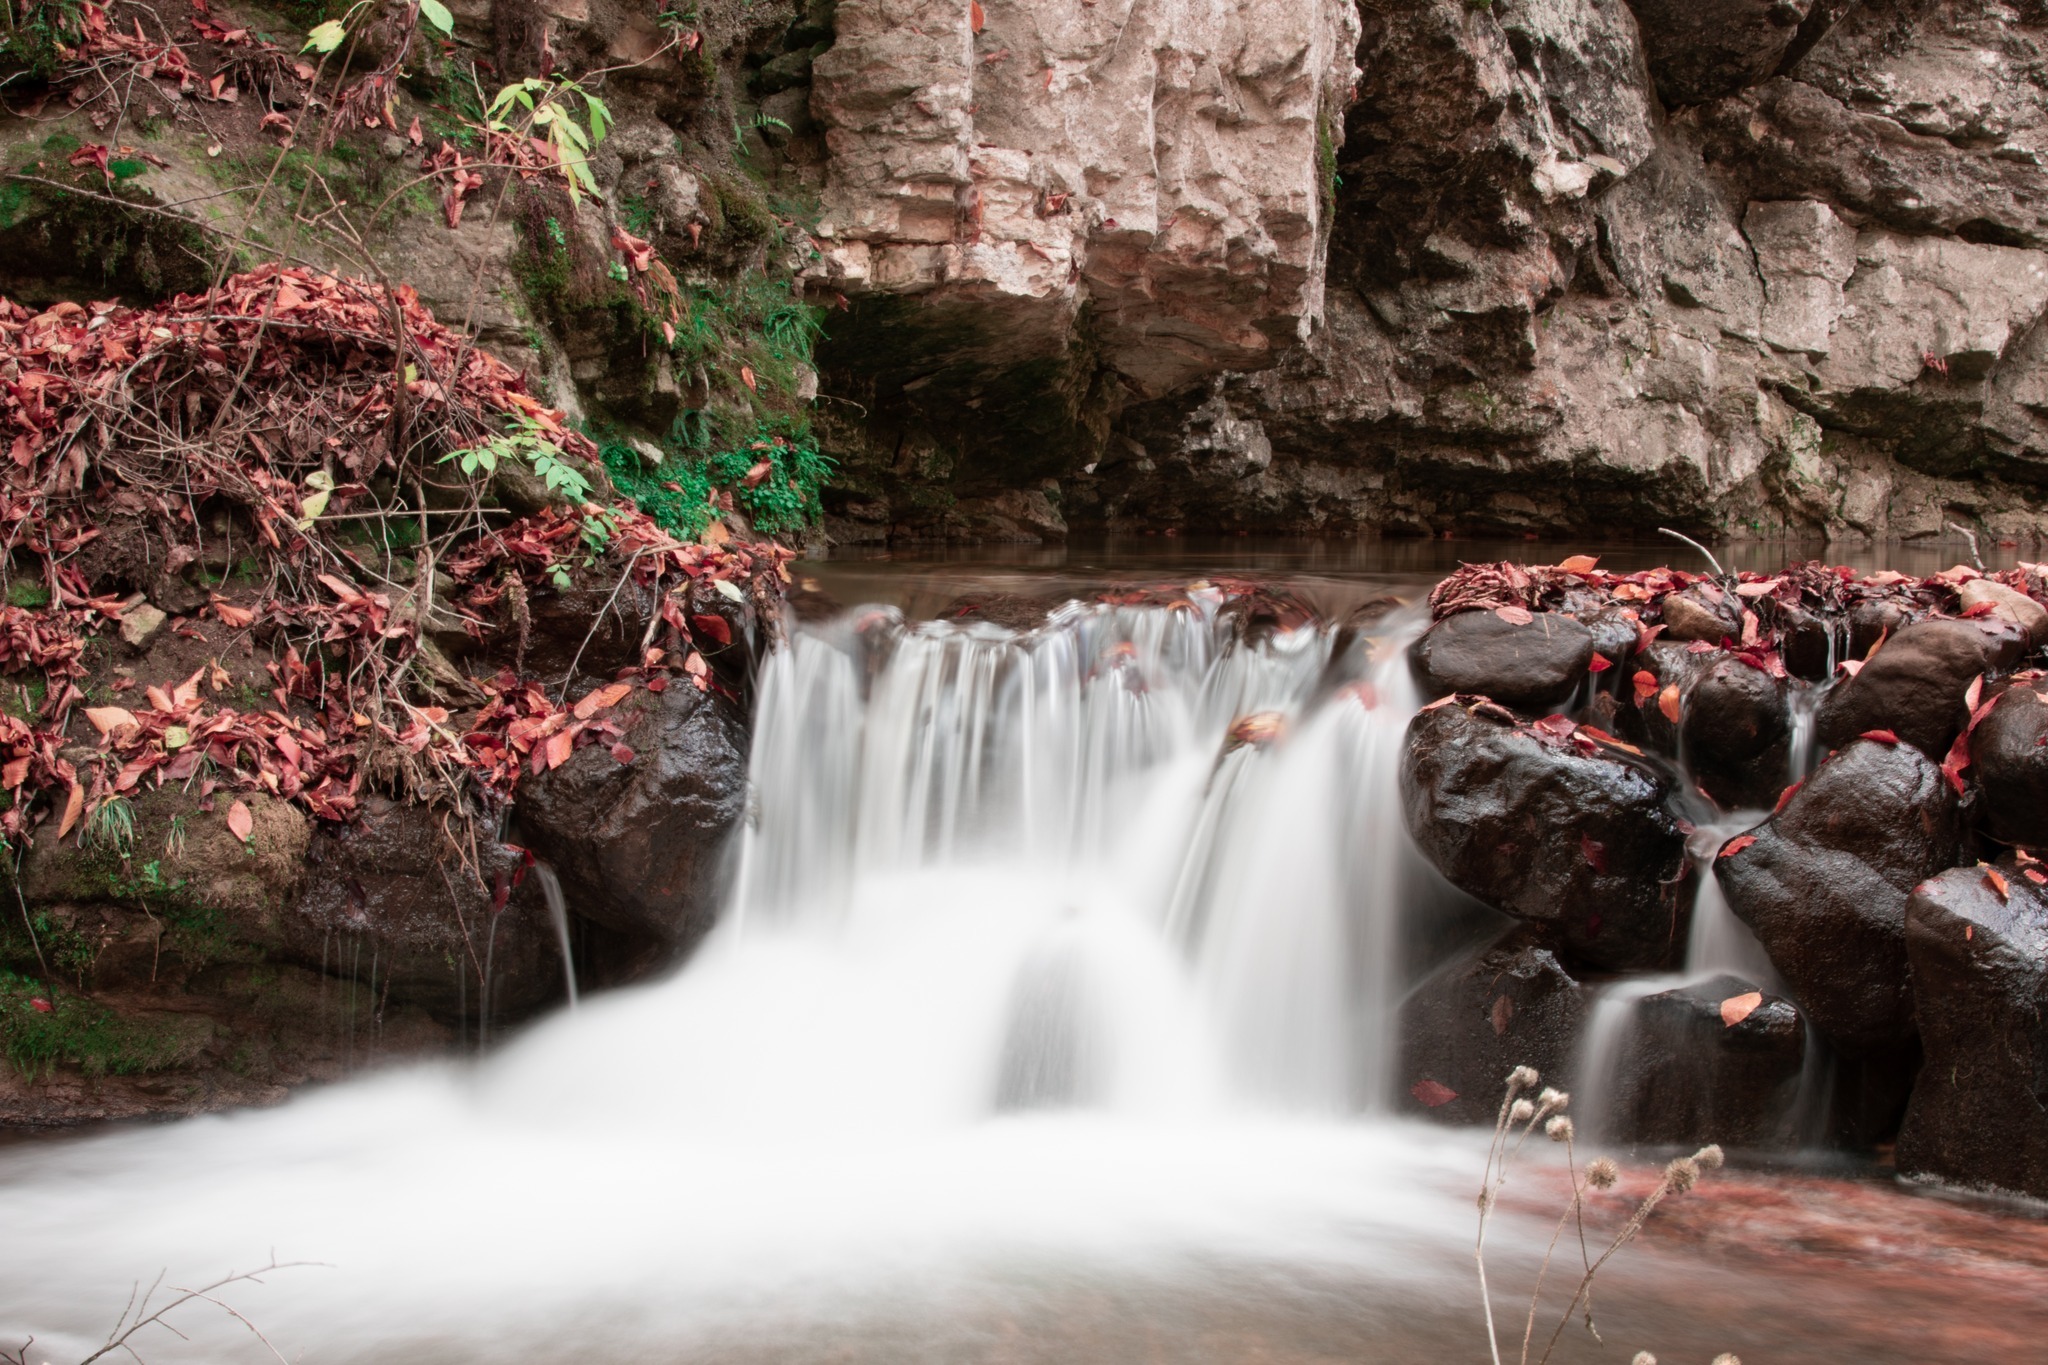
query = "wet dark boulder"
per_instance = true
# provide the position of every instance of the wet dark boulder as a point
(1505, 1003)
(1811, 643)
(1710, 1061)
(1534, 665)
(1738, 732)
(639, 846)
(1644, 718)
(2009, 757)
(1551, 827)
(1824, 882)
(405, 904)
(1914, 685)
(1978, 942)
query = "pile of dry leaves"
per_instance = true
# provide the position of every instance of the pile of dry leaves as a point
(311, 416)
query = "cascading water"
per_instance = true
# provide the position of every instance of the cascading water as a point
(1033, 950)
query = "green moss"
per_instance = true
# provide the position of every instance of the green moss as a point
(26, 592)
(40, 1030)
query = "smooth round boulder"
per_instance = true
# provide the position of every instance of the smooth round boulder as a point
(1701, 612)
(1506, 1002)
(1534, 665)
(1824, 883)
(1549, 827)
(1710, 1061)
(1738, 733)
(2009, 755)
(1915, 684)
(1977, 939)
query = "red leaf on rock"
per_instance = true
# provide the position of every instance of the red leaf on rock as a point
(1736, 845)
(1579, 564)
(977, 17)
(713, 628)
(1737, 1008)
(240, 823)
(1645, 684)
(1881, 736)
(1514, 616)
(1503, 1011)
(560, 745)
(1594, 851)
(1994, 879)
(1433, 1094)
(1599, 664)
(623, 753)
(1667, 702)
(1785, 796)
(2035, 875)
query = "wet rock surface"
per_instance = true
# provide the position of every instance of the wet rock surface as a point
(1917, 682)
(1712, 1061)
(1504, 1003)
(639, 844)
(2009, 756)
(1825, 881)
(1532, 665)
(1539, 828)
(1977, 938)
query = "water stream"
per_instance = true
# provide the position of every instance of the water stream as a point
(1048, 1022)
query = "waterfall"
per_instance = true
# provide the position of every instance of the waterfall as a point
(558, 911)
(1152, 806)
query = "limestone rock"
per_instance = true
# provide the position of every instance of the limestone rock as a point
(1003, 178)
(2009, 760)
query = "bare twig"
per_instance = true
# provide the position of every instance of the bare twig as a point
(1719, 572)
(1975, 557)
(138, 1315)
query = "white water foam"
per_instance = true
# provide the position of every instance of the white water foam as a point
(1026, 965)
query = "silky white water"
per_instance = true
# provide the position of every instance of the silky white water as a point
(1031, 970)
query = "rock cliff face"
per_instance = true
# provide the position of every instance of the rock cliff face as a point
(1753, 268)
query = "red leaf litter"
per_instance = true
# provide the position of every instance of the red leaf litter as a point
(114, 416)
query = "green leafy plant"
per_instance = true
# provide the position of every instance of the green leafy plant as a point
(525, 441)
(550, 109)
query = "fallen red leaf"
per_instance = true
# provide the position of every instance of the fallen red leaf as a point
(713, 628)
(1785, 797)
(1502, 1013)
(40, 1005)
(1737, 1008)
(1667, 702)
(240, 823)
(1579, 564)
(1881, 736)
(1595, 852)
(1996, 881)
(623, 753)
(1514, 616)
(1645, 684)
(1434, 1094)
(1736, 845)
(977, 18)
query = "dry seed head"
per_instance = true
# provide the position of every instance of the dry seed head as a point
(1553, 1099)
(1522, 1112)
(1522, 1077)
(1710, 1157)
(1643, 1358)
(1727, 1358)
(1601, 1172)
(1559, 1129)
(1682, 1174)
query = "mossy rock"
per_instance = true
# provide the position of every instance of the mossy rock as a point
(247, 883)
